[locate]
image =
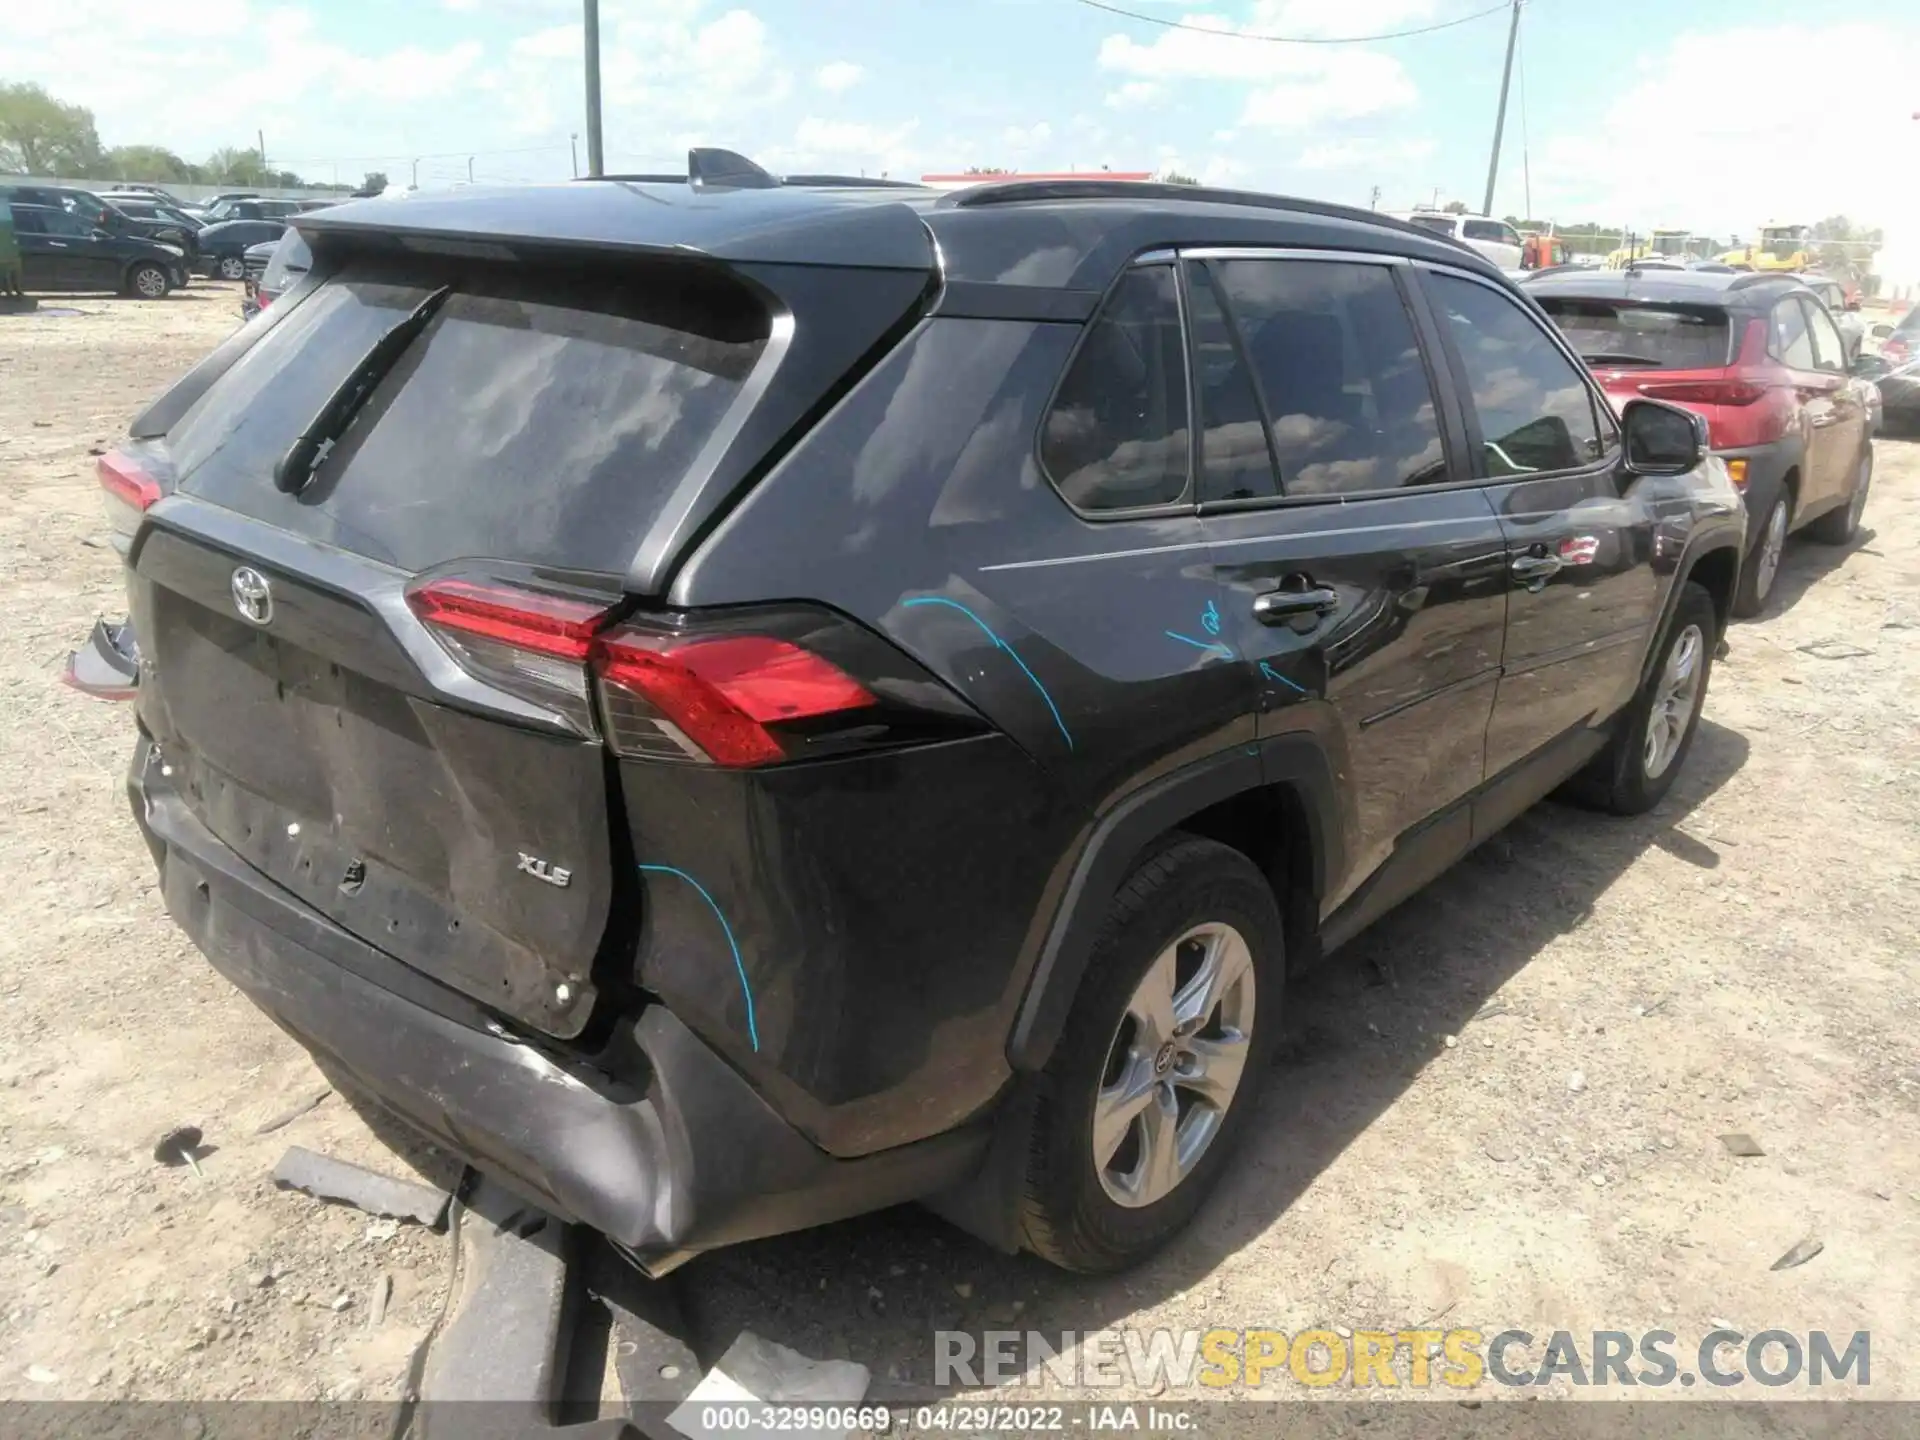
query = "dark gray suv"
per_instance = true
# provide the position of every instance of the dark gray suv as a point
(733, 703)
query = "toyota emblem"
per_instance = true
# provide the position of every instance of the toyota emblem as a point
(252, 596)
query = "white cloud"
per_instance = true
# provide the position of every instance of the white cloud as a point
(837, 77)
(1365, 153)
(1845, 143)
(1288, 87)
(1022, 138)
(1135, 93)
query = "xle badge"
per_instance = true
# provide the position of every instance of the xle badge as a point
(541, 870)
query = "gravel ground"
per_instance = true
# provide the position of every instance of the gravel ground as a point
(1504, 1112)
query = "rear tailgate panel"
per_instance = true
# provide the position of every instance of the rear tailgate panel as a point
(321, 755)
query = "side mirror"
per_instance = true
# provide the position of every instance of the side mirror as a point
(1662, 439)
(1868, 367)
(1881, 332)
(100, 234)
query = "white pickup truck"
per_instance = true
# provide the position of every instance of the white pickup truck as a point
(1495, 239)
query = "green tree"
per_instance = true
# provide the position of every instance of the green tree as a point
(228, 166)
(1455, 207)
(41, 136)
(1175, 177)
(154, 163)
(374, 183)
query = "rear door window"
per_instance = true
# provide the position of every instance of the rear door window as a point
(1667, 337)
(1790, 343)
(1535, 411)
(1829, 351)
(537, 419)
(1116, 436)
(1334, 351)
(1234, 462)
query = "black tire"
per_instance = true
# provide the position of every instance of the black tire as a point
(1618, 780)
(1839, 525)
(1068, 1216)
(1755, 586)
(148, 281)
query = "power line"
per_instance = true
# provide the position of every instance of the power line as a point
(1291, 39)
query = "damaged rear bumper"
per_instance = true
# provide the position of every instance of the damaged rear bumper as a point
(682, 1155)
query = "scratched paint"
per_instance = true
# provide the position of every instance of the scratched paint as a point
(739, 966)
(988, 631)
(1273, 674)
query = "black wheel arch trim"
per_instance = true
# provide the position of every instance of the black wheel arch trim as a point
(1705, 541)
(1295, 760)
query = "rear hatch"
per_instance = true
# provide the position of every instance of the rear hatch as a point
(1678, 352)
(364, 605)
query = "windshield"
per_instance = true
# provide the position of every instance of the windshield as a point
(1667, 337)
(1439, 224)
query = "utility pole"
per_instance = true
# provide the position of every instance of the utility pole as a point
(573, 144)
(596, 159)
(469, 169)
(1500, 117)
(261, 136)
(416, 172)
(1373, 203)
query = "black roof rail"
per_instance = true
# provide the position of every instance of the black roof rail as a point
(1761, 277)
(1012, 192)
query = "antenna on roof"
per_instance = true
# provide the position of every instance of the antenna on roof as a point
(710, 168)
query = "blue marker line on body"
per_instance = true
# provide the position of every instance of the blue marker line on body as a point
(746, 991)
(987, 630)
(1273, 674)
(1210, 619)
(1211, 649)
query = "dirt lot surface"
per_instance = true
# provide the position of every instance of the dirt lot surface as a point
(1506, 1113)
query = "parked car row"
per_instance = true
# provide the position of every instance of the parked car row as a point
(1776, 375)
(62, 250)
(211, 242)
(745, 671)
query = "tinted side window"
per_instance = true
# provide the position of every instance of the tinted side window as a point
(1789, 343)
(28, 222)
(1829, 353)
(1234, 463)
(66, 224)
(1535, 410)
(1117, 434)
(1484, 230)
(1335, 355)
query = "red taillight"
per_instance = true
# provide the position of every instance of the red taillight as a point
(527, 642)
(549, 624)
(663, 694)
(1704, 392)
(126, 482)
(719, 693)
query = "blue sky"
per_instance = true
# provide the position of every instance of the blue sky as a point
(1715, 114)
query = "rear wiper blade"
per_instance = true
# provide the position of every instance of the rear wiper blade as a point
(1619, 357)
(313, 444)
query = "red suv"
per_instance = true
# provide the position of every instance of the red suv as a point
(1760, 357)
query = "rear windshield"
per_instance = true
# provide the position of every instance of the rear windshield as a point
(1440, 224)
(537, 419)
(1667, 337)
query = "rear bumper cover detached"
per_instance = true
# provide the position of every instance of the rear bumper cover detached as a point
(682, 1156)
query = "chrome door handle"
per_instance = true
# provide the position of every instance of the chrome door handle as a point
(1535, 570)
(1280, 607)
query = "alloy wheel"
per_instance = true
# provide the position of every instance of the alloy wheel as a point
(1676, 695)
(150, 283)
(1174, 1065)
(232, 268)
